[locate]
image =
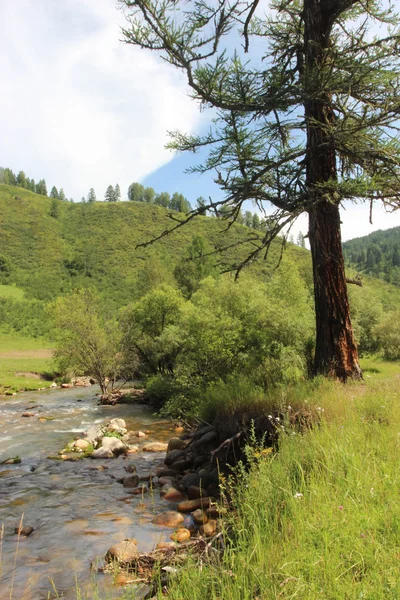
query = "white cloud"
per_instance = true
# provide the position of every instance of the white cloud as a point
(78, 107)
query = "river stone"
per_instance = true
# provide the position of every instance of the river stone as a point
(165, 472)
(182, 465)
(28, 414)
(81, 444)
(53, 385)
(115, 445)
(133, 449)
(24, 530)
(94, 434)
(202, 431)
(167, 480)
(102, 453)
(143, 489)
(214, 512)
(169, 518)
(171, 494)
(191, 505)
(118, 423)
(125, 552)
(180, 535)
(173, 456)
(175, 443)
(195, 492)
(199, 517)
(189, 523)
(155, 447)
(179, 429)
(131, 481)
(115, 426)
(205, 439)
(208, 528)
(190, 480)
(131, 468)
(165, 545)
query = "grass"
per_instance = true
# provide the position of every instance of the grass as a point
(11, 291)
(319, 518)
(22, 362)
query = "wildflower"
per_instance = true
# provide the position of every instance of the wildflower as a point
(298, 495)
(340, 507)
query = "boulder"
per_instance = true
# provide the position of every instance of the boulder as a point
(171, 494)
(195, 492)
(155, 447)
(175, 443)
(115, 445)
(167, 480)
(208, 528)
(81, 445)
(199, 517)
(94, 434)
(165, 472)
(24, 530)
(132, 481)
(173, 456)
(169, 518)
(125, 552)
(202, 431)
(180, 535)
(102, 453)
(206, 439)
(191, 505)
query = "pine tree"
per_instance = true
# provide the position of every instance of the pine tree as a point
(315, 126)
(91, 195)
(110, 194)
(41, 188)
(61, 195)
(21, 179)
(55, 208)
(117, 193)
(255, 221)
(54, 192)
(300, 240)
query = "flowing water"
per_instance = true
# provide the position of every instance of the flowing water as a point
(78, 509)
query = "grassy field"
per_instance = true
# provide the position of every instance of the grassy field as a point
(11, 291)
(24, 362)
(319, 518)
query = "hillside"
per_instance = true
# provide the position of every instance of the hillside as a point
(377, 254)
(96, 244)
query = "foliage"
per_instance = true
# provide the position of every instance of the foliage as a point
(388, 335)
(90, 341)
(307, 521)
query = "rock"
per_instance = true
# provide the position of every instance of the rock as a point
(131, 481)
(115, 426)
(11, 461)
(132, 449)
(171, 494)
(167, 480)
(173, 456)
(206, 439)
(165, 545)
(131, 468)
(102, 453)
(182, 465)
(143, 489)
(125, 552)
(208, 528)
(195, 492)
(169, 518)
(118, 423)
(155, 447)
(199, 517)
(200, 432)
(121, 579)
(24, 530)
(180, 535)
(66, 385)
(94, 434)
(28, 414)
(179, 430)
(115, 445)
(191, 505)
(190, 480)
(199, 460)
(140, 434)
(81, 444)
(165, 472)
(189, 523)
(175, 443)
(53, 385)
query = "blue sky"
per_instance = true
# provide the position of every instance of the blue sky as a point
(81, 109)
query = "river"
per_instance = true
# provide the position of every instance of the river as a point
(78, 509)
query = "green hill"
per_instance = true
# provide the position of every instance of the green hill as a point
(377, 254)
(96, 244)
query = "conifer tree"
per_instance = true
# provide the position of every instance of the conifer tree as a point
(110, 194)
(54, 192)
(41, 188)
(304, 120)
(91, 195)
(117, 193)
(61, 195)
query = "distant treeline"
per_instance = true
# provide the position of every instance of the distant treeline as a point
(377, 254)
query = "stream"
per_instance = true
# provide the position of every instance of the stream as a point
(78, 509)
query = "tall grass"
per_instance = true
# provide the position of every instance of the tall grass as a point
(319, 518)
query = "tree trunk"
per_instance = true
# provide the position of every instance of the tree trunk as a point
(336, 352)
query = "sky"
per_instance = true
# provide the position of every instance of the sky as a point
(81, 109)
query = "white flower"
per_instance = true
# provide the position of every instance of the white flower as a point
(298, 495)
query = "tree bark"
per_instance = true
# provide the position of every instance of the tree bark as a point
(335, 353)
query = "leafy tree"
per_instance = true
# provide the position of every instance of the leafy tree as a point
(248, 219)
(179, 203)
(300, 240)
(117, 193)
(55, 208)
(21, 179)
(90, 341)
(149, 195)
(9, 177)
(54, 192)
(256, 221)
(136, 192)
(91, 195)
(316, 125)
(195, 266)
(110, 194)
(163, 199)
(5, 269)
(41, 188)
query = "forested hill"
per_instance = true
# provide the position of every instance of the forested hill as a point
(377, 254)
(48, 252)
